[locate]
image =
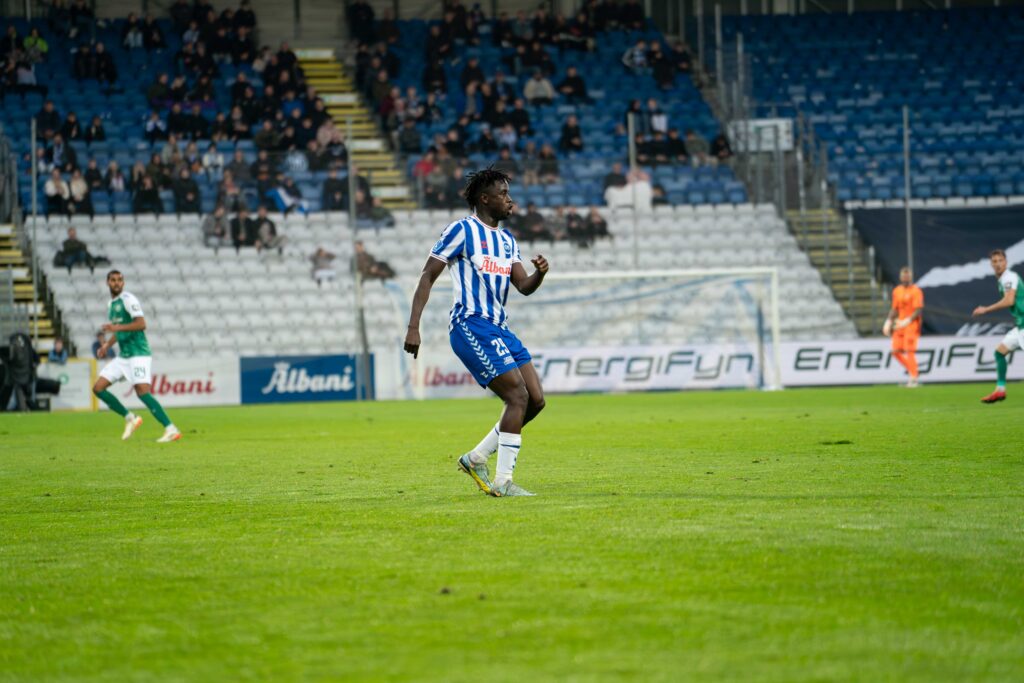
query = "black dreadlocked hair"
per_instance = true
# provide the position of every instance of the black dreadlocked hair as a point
(481, 180)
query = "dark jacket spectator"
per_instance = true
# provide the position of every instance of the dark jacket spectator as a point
(616, 178)
(48, 121)
(369, 267)
(61, 155)
(720, 148)
(106, 70)
(473, 73)
(75, 251)
(243, 230)
(147, 197)
(573, 87)
(675, 147)
(186, 193)
(93, 176)
(548, 167)
(335, 192)
(95, 132)
(409, 138)
(572, 137)
(152, 34)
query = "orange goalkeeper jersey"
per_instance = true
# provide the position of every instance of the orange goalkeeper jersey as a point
(906, 300)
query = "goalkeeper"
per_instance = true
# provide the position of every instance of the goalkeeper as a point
(904, 323)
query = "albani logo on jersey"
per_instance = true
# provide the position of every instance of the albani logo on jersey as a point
(493, 267)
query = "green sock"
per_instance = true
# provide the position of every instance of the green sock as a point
(1000, 370)
(112, 402)
(155, 408)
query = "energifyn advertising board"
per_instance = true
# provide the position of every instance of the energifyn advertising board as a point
(439, 374)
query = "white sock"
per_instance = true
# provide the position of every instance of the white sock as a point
(508, 451)
(483, 450)
(129, 417)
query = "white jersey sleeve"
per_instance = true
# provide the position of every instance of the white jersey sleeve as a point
(132, 305)
(1009, 280)
(517, 257)
(451, 244)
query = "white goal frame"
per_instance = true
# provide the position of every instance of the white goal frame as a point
(773, 367)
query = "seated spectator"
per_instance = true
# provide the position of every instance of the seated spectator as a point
(178, 121)
(58, 354)
(159, 91)
(530, 164)
(287, 196)
(657, 120)
(675, 147)
(147, 197)
(485, 144)
(93, 177)
(186, 193)
(48, 121)
(114, 180)
(506, 164)
(198, 126)
(75, 251)
(615, 178)
(152, 34)
(132, 32)
(323, 270)
(239, 168)
(637, 192)
(538, 90)
(680, 58)
(697, 148)
(137, 174)
(35, 46)
(369, 267)
(216, 229)
(409, 138)
(268, 138)
(658, 195)
(101, 337)
(243, 230)
(213, 161)
(266, 233)
(548, 165)
(106, 70)
(531, 226)
(170, 151)
(571, 139)
(81, 200)
(58, 194)
(82, 17)
(229, 194)
(60, 155)
(644, 151)
(507, 137)
(72, 128)
(519, 118)
(576, 228)
(472, 73)
(635, 58)
(84, 65)
(95, 132)
(721, 150)
(370, 212)
(597, 226)
(155, 128)
(335, 192)
(573, 87)
(632, 16)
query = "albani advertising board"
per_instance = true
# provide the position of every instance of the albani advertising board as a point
(188, 382)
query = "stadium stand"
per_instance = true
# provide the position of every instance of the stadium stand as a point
(191, 290)
(957, 70)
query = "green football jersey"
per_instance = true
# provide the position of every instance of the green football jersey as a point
(121, 311)
(1010, 280)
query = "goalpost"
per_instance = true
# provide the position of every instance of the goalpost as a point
(635, 330)
(732, 310)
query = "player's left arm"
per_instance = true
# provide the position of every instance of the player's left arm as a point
(136, 325)
(1005, 302)
(528, 284)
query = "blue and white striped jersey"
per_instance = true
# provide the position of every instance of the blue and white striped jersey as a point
(480, 261)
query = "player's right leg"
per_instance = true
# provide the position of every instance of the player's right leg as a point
(1011, 342)
(511, 389)
(112, 372)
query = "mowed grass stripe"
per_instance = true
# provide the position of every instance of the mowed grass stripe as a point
(840, 534)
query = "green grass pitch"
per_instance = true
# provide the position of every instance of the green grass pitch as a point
(871, 534)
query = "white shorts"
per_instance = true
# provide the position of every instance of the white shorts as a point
(137, 370)
(1014, 339)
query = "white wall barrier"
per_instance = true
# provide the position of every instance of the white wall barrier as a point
(76, 378)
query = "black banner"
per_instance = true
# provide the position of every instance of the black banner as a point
(951, 262)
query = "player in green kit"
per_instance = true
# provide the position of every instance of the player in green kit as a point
(1012, 292)
(135, 363)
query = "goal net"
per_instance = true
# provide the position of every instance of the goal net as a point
(653, 330)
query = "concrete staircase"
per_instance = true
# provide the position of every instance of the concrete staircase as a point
(367, 144)
(837, 251)
(14, 261)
